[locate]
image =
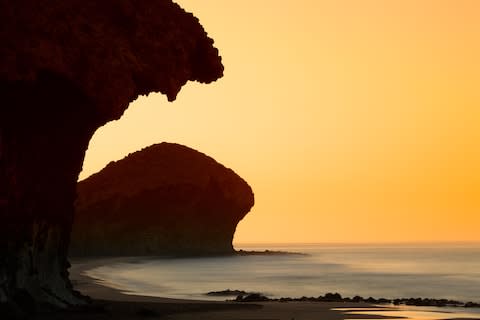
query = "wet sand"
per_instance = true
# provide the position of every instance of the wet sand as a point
(113, 304)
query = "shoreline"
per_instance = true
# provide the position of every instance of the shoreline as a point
(112, 302)
(99, 289)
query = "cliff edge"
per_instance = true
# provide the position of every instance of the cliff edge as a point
(66, 69)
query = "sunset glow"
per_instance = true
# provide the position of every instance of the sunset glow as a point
(353, 121)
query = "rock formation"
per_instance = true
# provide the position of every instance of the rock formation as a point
(166, 199)
(67, 68)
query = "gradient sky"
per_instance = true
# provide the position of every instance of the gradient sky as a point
(353, 121)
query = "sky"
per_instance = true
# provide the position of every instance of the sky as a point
(353, 121)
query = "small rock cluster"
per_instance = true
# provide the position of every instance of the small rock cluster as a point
(336, 297)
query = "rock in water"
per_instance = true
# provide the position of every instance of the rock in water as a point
(66, 69)
(166, 199)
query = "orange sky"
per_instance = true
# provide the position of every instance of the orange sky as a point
(353, 121)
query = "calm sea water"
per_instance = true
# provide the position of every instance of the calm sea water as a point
(392, 271)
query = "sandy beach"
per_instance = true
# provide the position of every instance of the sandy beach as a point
(110, 303)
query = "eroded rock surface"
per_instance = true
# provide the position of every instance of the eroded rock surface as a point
(67, 68)
(166, 199)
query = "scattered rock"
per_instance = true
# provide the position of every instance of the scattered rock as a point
(472, 305)
(427, 302)
(253, 297)
(336, 297)
(242, 252)
(228, 292)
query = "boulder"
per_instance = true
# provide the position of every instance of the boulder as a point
(166, 199)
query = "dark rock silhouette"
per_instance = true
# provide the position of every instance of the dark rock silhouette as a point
(252, 297)
(67, 68)
(166, 199)
(471, 304)
(336, 297)
(229, 292)
(267, 252)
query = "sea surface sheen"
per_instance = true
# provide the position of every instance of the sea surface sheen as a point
(450, 271)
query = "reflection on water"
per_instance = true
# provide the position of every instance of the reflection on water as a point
(411, 312)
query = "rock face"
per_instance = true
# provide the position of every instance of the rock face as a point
(67, 68)
(166, 199)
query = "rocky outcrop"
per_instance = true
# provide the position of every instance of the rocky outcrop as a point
(67, 68)
(166, 199)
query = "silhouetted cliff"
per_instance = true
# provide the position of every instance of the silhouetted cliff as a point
(166, 199)
(67, 68)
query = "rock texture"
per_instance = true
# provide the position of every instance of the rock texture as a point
(67, 68)
(166, 199)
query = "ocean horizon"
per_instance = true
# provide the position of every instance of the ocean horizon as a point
(379, 270)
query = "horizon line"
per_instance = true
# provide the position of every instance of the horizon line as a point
(408, 242)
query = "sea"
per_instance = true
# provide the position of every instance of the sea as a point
(449, 270)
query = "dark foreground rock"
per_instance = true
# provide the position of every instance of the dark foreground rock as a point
(166, 199)
(252, 297)
(471, 304)
(427, 302)
(228, 292)
(336, 297)
(67, 68)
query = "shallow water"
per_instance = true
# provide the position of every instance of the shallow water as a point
(413, 313)
(447, 271)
